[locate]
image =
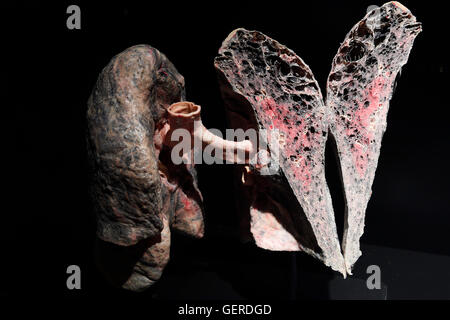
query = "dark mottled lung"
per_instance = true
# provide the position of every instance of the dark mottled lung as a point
(138, 194)
(128, 99)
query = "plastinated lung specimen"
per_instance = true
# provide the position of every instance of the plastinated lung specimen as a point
(267, 86)
(138, 193)
(280, 92)
(359, 88)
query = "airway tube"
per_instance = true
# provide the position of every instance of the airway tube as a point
(186, 115)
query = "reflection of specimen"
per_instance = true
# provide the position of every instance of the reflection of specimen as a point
(266, 86)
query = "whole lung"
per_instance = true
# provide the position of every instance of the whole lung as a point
(138, 194)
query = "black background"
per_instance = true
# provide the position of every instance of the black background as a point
(51, 70)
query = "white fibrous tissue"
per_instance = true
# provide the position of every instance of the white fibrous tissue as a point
(267, 86)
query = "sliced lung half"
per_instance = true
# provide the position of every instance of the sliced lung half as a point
(267, 86)
(359, 89)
